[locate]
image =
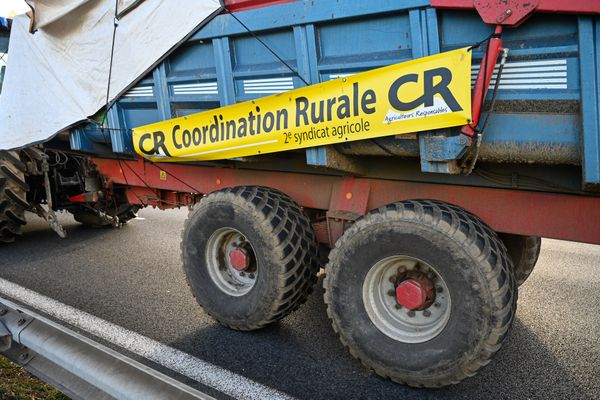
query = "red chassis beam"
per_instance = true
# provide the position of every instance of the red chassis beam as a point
(240, 5)
(559, 216)
(514, 12)
(549, 6)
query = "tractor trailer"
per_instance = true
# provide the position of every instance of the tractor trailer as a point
(265, 122)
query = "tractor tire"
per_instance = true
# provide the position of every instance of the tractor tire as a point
(458, 318)
(250, 256)
(13, 196)
(524, 252)
(87, 217)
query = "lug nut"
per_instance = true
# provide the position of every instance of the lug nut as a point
(439, 289)
(3, 312)
(426, 313)
(251, 276)
(411, 313)
(393, 278)
(239, 259)
(391, 292)
(436, 304)
(398, 306)
(242, 273)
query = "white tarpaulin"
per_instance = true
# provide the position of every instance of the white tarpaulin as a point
(58, 76)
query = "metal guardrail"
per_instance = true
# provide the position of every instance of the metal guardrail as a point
(78, 366)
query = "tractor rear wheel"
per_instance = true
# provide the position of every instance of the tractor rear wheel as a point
(421, 292)
(13, 196)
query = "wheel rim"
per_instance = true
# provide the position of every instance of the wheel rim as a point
(231, 277)
(380, 297)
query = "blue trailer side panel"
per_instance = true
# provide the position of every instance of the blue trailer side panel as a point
(551, 77)
(589, 31)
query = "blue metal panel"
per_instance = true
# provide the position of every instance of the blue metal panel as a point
(121, 141)
(420, 47)
(542, 39)
(424, 32)
(161, 92)
(306, 54)
(316, 156)
(222, 54)
(137, 107)
(126, 116)
(438, 148)
(358, 45)
(347, 47)
(523, 128)
(257, 72)
(193, 58)
(119, 135)
(302, 12)
(589, 34)
(433, 35)
(192, 74)
(85, 139)
(250, 55)
(140, 114)
(553, 58)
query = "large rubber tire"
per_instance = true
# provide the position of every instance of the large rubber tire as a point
(524, 252)
(474, 265)
(284, 248)
(87, 217)
(13, 196)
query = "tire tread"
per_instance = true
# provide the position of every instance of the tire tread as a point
(13, 194)
(293, 238)
(479, 240)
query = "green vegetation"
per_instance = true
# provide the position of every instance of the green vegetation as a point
(18, 384)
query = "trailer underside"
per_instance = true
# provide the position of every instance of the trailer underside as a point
(340, 200)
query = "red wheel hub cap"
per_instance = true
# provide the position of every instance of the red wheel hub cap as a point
(414, 294)
(239, 259)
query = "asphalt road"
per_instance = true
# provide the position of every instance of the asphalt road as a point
(132, 277)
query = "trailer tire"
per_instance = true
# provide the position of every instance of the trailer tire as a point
(524, 252)
(280, 265)
(13, 196)
(453, 248)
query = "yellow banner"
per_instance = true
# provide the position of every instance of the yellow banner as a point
(418, 95)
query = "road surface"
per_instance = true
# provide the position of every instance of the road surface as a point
(132, 278)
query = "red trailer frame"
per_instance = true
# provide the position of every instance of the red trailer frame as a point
(559, 216)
